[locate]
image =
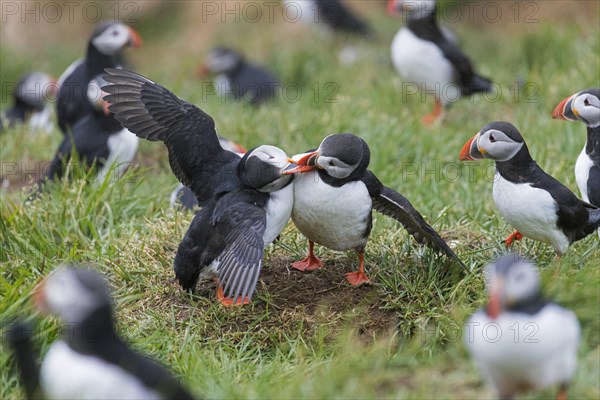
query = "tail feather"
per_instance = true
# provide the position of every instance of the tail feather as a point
(478, 84)
(18, 338)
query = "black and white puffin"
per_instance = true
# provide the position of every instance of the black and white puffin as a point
(334, 196)
(105, 48)
(30, 105)
(585, 106)
(183, 196)
(332, 14)
(98, 139)
(90, 361)
(239, 79)
(245, 201)
(425, 56)
(531, 201)
(521, 341)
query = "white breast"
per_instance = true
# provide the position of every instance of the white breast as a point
(40, 121)
(122, 148)
(335, 217)
(222, 85)
(279, 210)
(531, 211)
(582, 173)
(66, 374)
(521, 351)
(422, 63)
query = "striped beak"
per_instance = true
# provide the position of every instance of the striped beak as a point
(135, 40)
(470, 151)
(494, 307)
(564, 109)
(39, 297)
(306, 163)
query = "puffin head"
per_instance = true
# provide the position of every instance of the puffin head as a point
(263, 168)
(35, 89)
(110, 37)
(510, 280)
(413, 9)
(499, 141)
(583, 106)
(72, 293)
(220, 60)
(341, 156)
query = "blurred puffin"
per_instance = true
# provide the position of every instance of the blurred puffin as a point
(97, 139)
(91, 361)
(183, 196)
(30, 105)
(334, 196)
(534, 203)
(332, 14)
(585, 106)
(425, 56)
(541, 352)
(238, 78)
(104, 50)
(245, 201)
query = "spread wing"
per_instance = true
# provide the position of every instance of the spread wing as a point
(393, 204)
(154, 113)
(242, 224)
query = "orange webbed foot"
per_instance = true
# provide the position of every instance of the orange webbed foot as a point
(227, 301)
(357, 278)
(310, 263)
(513, 237)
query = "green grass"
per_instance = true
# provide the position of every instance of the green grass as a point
(311, 335)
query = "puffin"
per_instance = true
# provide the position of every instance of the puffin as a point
(334, 197)
(534, 203)
(332, 14)
(76, 367)
(183, 197)
(30, 106)
(238, 78)
(424, 55)
(105, 49)
(521, 341)
(97, 139)
(245, 201)
(584, 106)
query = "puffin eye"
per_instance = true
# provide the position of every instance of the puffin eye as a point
(115, 33)
(586, 101)
(331, 163)
(492, 139)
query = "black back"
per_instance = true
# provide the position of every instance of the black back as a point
(253, 83)
(341, 18)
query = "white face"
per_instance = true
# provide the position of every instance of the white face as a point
(95, 94)
(36, 89)
(219, 61)
(517, 283)
(335, 167)
(497, 145)
(66, 297)
(277, 158)
(113, 39)
(587, 108)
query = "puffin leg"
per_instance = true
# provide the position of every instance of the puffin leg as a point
(562, 393)
(513, 237)
(429, 119)
(358, 277)
(227, 301)
(311, 262)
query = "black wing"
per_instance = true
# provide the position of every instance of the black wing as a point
(18, 338)
(240, 219)
(155, 113)
(393, 204)
(336, 14)
(71, 100)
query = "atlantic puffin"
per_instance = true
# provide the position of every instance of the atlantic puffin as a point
(334, 197)
(332, 14)
(183, 196)
(30, 106)
(105, 49)
(245, 201)
(97, 139)
(584, 106)
(239, 79)
(423, 55)
(521, 341)
(531, 201)
(90, 361)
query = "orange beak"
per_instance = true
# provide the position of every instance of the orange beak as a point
(39, 298)
(564, 110)
(105, 107)
(494, 307)
(469, 151)
(135, 40)
(240, 149)
(304, 164)
(391, 7)
(202, 72)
